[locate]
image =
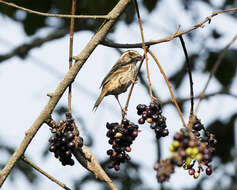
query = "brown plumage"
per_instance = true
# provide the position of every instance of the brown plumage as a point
(120, 76)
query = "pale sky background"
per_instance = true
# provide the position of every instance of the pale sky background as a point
(25, 83)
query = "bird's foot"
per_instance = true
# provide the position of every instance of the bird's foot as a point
(134, 81)
(124, 111)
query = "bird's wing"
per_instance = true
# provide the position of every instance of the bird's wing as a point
(114, 70)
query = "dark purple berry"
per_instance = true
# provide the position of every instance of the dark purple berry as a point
(153, 107)
(108, 126)
(164, 133)
(110, 152)
(116, 167)
(63, 140)
(69, 136)
(135, 133)
(144, 114)
(208, 171)
(71, 145)
(68, 153)
(141, 121)
(125, 122)
(52, 139)
(155, 117)
(52, 148)
(71, 162)
(153, 125)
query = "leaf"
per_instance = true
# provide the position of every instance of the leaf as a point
(224, 133)
(21, 167)
(150, 4)
(128, 177)
(227, 69)
(216, 34)
(177, 78)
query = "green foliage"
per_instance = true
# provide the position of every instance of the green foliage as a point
(150, 4)
(224, 132)
(24, 169)
(32, 23)
(178, 76)
(127, 179)
(227, 69)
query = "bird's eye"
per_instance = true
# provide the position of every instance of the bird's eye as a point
(131, 54)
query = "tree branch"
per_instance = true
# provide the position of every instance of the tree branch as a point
(213, 71)
(56, 95)
(23, 49)
(70, 54)
(169, 86)
(23, 158)
(189, 74)
(182, 100)
(57, 15)
(89, 161)
(169, 38)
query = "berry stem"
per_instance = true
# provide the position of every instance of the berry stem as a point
(144, 48)
(132, 86)
(169, 86)
(213, 71)
(70, 53)
(23, 158)
(189, 73)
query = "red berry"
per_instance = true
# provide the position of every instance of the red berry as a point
(147, 108)
(135, 133)
(116, 167)
(128, 149)
(110, 152)
(191, 171)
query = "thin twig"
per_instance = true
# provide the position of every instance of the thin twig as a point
(57, 15)
(144, 48)
(169, 86)
(88, 160)
(23, 158)
(57, 94)
(169, 38)
(132, 86)
(206, 96)
(189, 74)
(24, 49)
(213, 71)
(70, 54)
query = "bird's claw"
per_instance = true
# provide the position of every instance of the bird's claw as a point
(134, 81)
(124, 111)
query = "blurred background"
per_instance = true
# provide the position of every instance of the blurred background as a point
(34, 58)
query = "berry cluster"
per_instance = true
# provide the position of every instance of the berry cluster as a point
(120, 137)
(65, 139)
(164, 169)
(153, 115)
(190, 147)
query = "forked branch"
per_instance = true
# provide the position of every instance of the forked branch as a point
(56, 95)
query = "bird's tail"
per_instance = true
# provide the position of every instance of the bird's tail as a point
(97, 103)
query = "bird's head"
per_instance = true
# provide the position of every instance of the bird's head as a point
(131, 56)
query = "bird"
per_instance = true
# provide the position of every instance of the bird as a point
(119, 77)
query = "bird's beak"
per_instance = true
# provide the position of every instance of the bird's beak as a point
(139, 58)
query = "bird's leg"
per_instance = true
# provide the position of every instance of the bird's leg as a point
(134, 80)
(122, 109)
